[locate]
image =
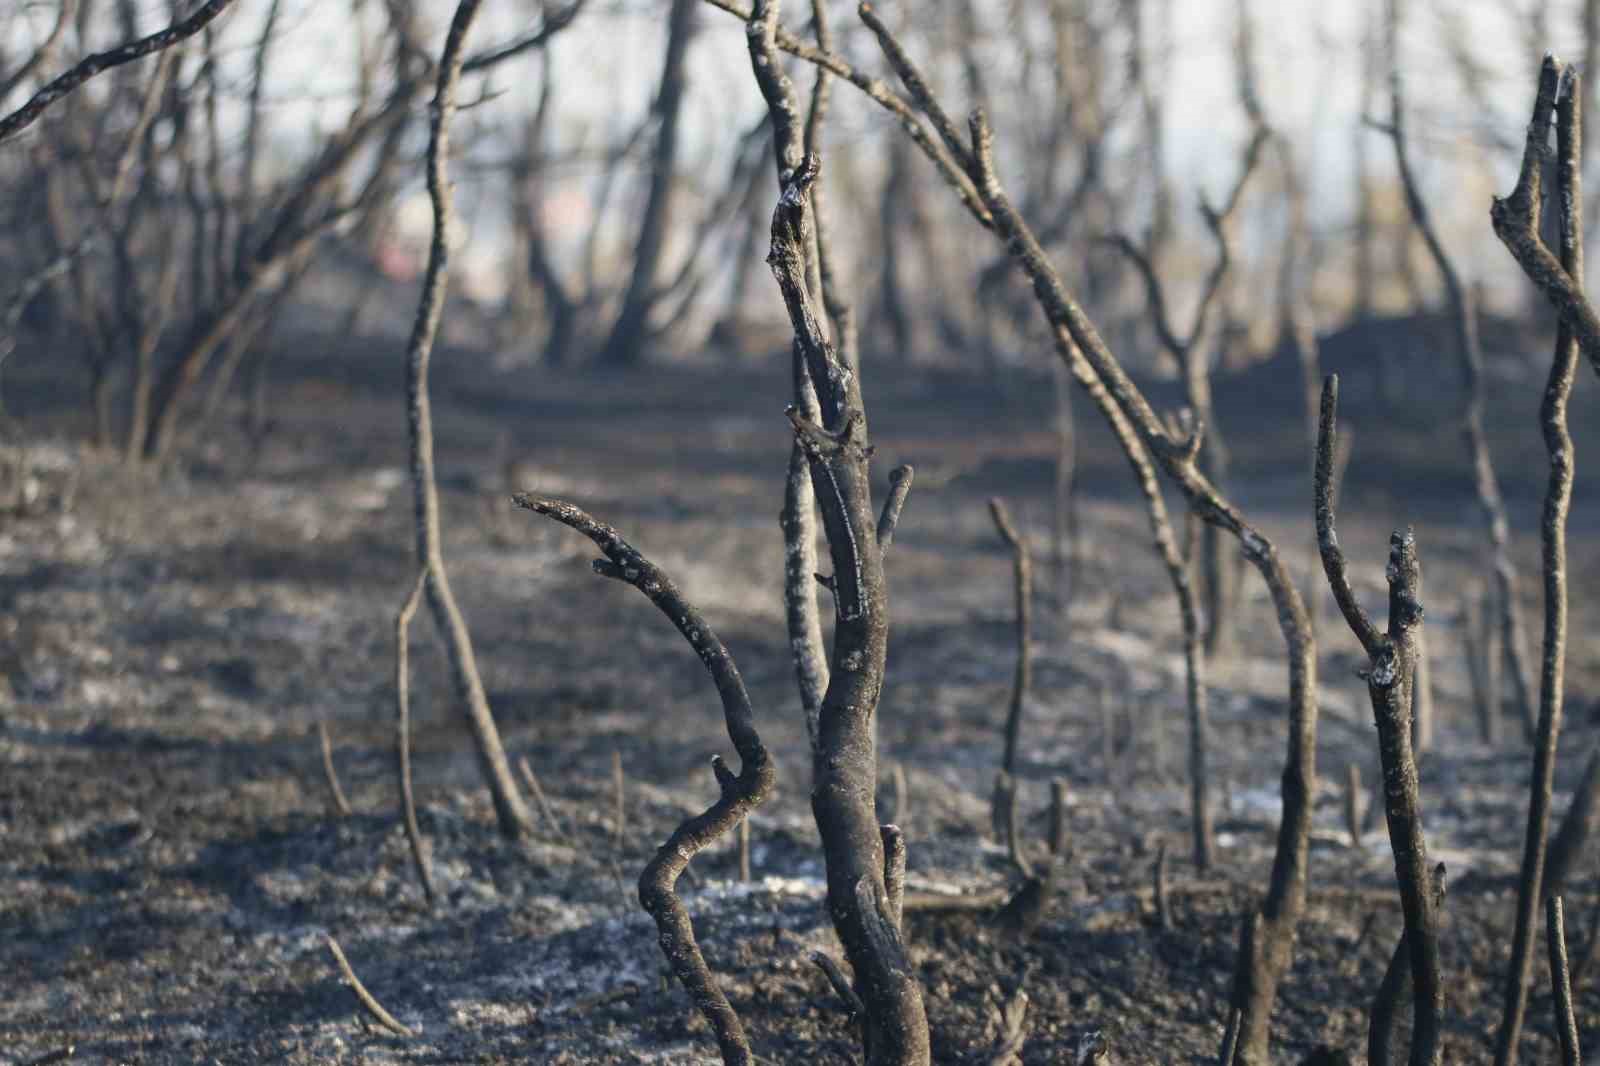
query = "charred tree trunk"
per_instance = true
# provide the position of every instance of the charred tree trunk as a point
(844, 771)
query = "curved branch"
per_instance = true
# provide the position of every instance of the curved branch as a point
(1557, 503)
(1327, 537)
(1390, 678)
(29, 113)
(740, 793)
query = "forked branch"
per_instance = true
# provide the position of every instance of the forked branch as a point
(1391, 672)
(740, 793)
(89, 66)
(1516, 221)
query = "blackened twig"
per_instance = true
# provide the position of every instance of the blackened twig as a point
(543, 803)
(402, 688)
(1516, 222)
(740, 793)
(894, 872)
(899, 488)
(1008, 820)
(89, 66)
(1058, 816)
(839, 983)
(844, 770)
(510, 811)
(1022, 577)
(1158, 877)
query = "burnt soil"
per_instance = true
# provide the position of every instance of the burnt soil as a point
(170, 861)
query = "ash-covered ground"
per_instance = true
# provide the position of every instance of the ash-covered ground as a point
(170, 862)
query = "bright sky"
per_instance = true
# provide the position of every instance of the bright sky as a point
(1309, 55)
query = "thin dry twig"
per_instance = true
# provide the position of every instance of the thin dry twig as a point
(402, 689)
(1561, 982)
(1516, 222)
(373, 1007)
(899, 488)
(1022, 578)
(340, 804)
(545, 810)
(1158, 878)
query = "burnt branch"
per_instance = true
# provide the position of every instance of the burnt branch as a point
(89, 66)
(368, 1001)
(740, 793)
(844, 766)
(1391, 673)
(510, 810)
(1557, 504)
(402, 689)
(1561, 981)
(953, 172)
(1469, 353)
(840, 985)
(841, 315)
(1383, 1022)
(1516, 222)
(894, 871)
(545, 810)
(1158, 888)
(1324, 485)
(1022, 577)
(899, 488)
